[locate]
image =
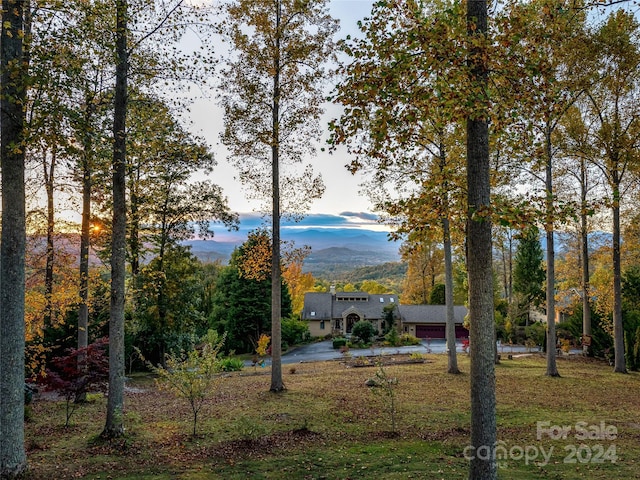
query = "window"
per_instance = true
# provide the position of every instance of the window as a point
(392, 300)
(313, 314)
(322, 325)
(381, 299)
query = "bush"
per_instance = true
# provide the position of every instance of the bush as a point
(339, 342)
(192, 375)
(535, 332)
(363, 330)
(407, 339)
(231, 364)
(294, 331)
(78, 372)
(392, 338)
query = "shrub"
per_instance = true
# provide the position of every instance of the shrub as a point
(192, 375)
(363, 330)
(408, 339)
(230, 364)
(294, 331)
(392, 338)
(80, 371)
(536, 332)
(339, 342)
(384, 386)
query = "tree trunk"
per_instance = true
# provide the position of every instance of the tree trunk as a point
(552, 369)
(482, 464)
(49, 172)
(115, 403)
(85, 229)
(161, 297)
(134, 241)
(620, 365)
(452, 358)
(510, 294)
(85, 239)
(13, 461)
(277, 384)
(584, 244)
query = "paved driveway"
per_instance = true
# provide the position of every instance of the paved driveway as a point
(320, 351)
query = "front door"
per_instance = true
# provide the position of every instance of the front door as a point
(352, 319)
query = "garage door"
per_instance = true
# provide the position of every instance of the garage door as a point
(438, 331)
(430, 331)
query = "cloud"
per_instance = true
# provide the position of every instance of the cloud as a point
(320, 221)
(371, 217)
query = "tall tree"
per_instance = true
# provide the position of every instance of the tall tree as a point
(402, 126)
(13, 88)
(114, 426)
(479, 264)
(151, 19)
(577, 136)
(272, 95)
(614, 110)
(550, 79)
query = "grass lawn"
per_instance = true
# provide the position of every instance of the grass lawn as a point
(329, 425)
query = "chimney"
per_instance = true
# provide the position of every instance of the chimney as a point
(332, 289)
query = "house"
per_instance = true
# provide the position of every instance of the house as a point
(335, 313)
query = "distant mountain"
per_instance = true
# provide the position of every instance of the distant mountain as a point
(333, 251)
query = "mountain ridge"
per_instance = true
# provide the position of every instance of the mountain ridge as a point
(333, 251)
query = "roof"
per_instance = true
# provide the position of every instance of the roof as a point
(430, 313)
(326, 306)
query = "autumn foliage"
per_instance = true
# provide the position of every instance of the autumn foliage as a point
(79, 372)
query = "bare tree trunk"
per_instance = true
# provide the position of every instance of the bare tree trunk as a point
(85, 239)
(482, 464)
(134, 226)
(49, 172)
(277, 384)
(85, 229)
(620, 365)
(584, 244)
(552, 369)
(510, 294)
(452, 358)
(115, 403)
(13, 71)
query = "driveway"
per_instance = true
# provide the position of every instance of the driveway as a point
(324, 350)
(321, 351)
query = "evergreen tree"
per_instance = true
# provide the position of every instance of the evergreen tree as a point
(528, 273)
(242, 306)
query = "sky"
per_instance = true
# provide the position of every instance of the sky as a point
(341, 204)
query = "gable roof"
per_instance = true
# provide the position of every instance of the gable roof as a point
(430, 313)
(327, 306)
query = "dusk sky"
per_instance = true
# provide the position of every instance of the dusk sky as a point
(342, 220)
